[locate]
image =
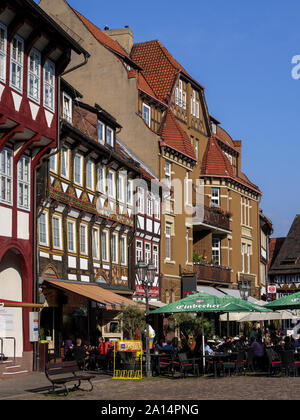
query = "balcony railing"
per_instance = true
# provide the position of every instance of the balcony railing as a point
(211, 216)
(212, 273)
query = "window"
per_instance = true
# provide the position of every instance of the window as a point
(180, 96)
(104, 245)
(114, 248)
(243, 258)
(123, 250)
(109, 137)
(83, 240)
(216, 251)
(56, 227)
(71, 236)
(215, 197)
(121, 188)
(34, 75)
(101, 132)
(78, 169)
(6, 175)
(49, 85)
(65, 163)
(187, 246)
(53, 162)
(188, 189)
(147, 114)
(24, 183)
(140, 200)
(245, 211)
(168, 167)
(156, 257)
(101, 179)
(139, 251)
(95, 244)
(90, 175)
(129, 192)
(111, 184)
(195, 106)
(157, 208)
(168, 241)
(249, 258)
(197, 148)
(3, 52)
(43, 229)
(16, 63)
(149, 206)
(67, 107)
(148, 253)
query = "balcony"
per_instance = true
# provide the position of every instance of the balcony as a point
(211, 218)
(214, 274)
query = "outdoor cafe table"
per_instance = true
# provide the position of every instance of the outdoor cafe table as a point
(216, 358)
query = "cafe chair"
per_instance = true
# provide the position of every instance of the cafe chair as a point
(289, 363)
(274, 363)
(236, 366)
(187, 365)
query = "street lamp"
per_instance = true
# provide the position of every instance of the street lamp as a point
(146, 275)
(245, 290)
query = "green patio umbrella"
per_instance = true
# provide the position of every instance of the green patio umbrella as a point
(286, 302)
(202, 303)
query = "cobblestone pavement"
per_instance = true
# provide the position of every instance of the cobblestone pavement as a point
(35, 387)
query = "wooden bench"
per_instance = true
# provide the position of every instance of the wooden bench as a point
(65, 372)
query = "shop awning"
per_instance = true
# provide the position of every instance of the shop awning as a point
(96, 293)
(14, 304)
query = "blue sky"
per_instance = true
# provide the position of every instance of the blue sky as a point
(241, 52)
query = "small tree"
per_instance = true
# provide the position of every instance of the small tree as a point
(133, 321)
(192, 326)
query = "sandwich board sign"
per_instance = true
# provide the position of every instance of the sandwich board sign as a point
(130, 366)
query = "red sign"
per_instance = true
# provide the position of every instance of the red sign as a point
(139, 290)
(272, 289)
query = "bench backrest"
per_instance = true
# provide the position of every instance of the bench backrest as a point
(61, 368)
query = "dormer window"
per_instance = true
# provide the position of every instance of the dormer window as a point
(195, 106)
(214, 128)
(101, 132)
(3, 46)
(180, 95)
(49, 85)
(109, 136)
(67, 107)
(34, 75)
(16, 63)
(147, 114)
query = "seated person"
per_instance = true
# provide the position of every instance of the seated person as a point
(81, 355)
(68, 349)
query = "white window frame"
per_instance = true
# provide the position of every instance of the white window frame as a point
(105, 246)
(155, 253)
(114, 248)
(149, 206)
(216, 249)
(57, 218)
(168, 173)
(139, 251)
(243, 258)
(140, 205)
(188, 190)
(129, 192)
(49, 98)
(18, 63)
(46, 216)
(35, 75)
(101, 129)
(65, 154)
(168, 241)
(101, 181)
(148, 253)
(90, 186)
(24, 183)
(249, 259)
(111, 184)
(3, 54)
(83, 250)
(157, 208)
(197, 148)
(78, 158)
(147, 114)
(110, 142)
(71, 230)
(6, 176)
(121, 188)
(67, 112)
(53, 160)
(96, 244)
(187, 239)
(215, 197)
(123, 250)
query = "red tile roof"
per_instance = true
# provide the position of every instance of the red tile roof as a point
(175, 137)
(104, 39)
(159, 67)
(275, 245)
(216, 164)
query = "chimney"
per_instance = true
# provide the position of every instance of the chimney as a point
(238, 147)
(124, 36)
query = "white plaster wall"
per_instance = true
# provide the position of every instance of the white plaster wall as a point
(5, 222)
(23, 225)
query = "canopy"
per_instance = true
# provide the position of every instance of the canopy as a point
(203, 303)
(246, 304)
(286, 302)
(273, 316)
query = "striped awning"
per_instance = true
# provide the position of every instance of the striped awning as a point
(108, 299)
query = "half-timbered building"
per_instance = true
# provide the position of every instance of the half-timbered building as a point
(34, 52)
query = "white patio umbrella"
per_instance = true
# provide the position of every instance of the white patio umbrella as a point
(280, 315)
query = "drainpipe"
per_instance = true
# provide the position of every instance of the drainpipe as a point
(35, 214)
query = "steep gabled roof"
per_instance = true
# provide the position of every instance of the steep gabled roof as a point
(159, 67)
(105, 40)
(216, 164)
(287, 260)
(275, 245)
(175, 137)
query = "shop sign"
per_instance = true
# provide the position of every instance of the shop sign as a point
(139, 290)
(132, 367)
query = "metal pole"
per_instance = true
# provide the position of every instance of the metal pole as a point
(203, 343)
(148, 359)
